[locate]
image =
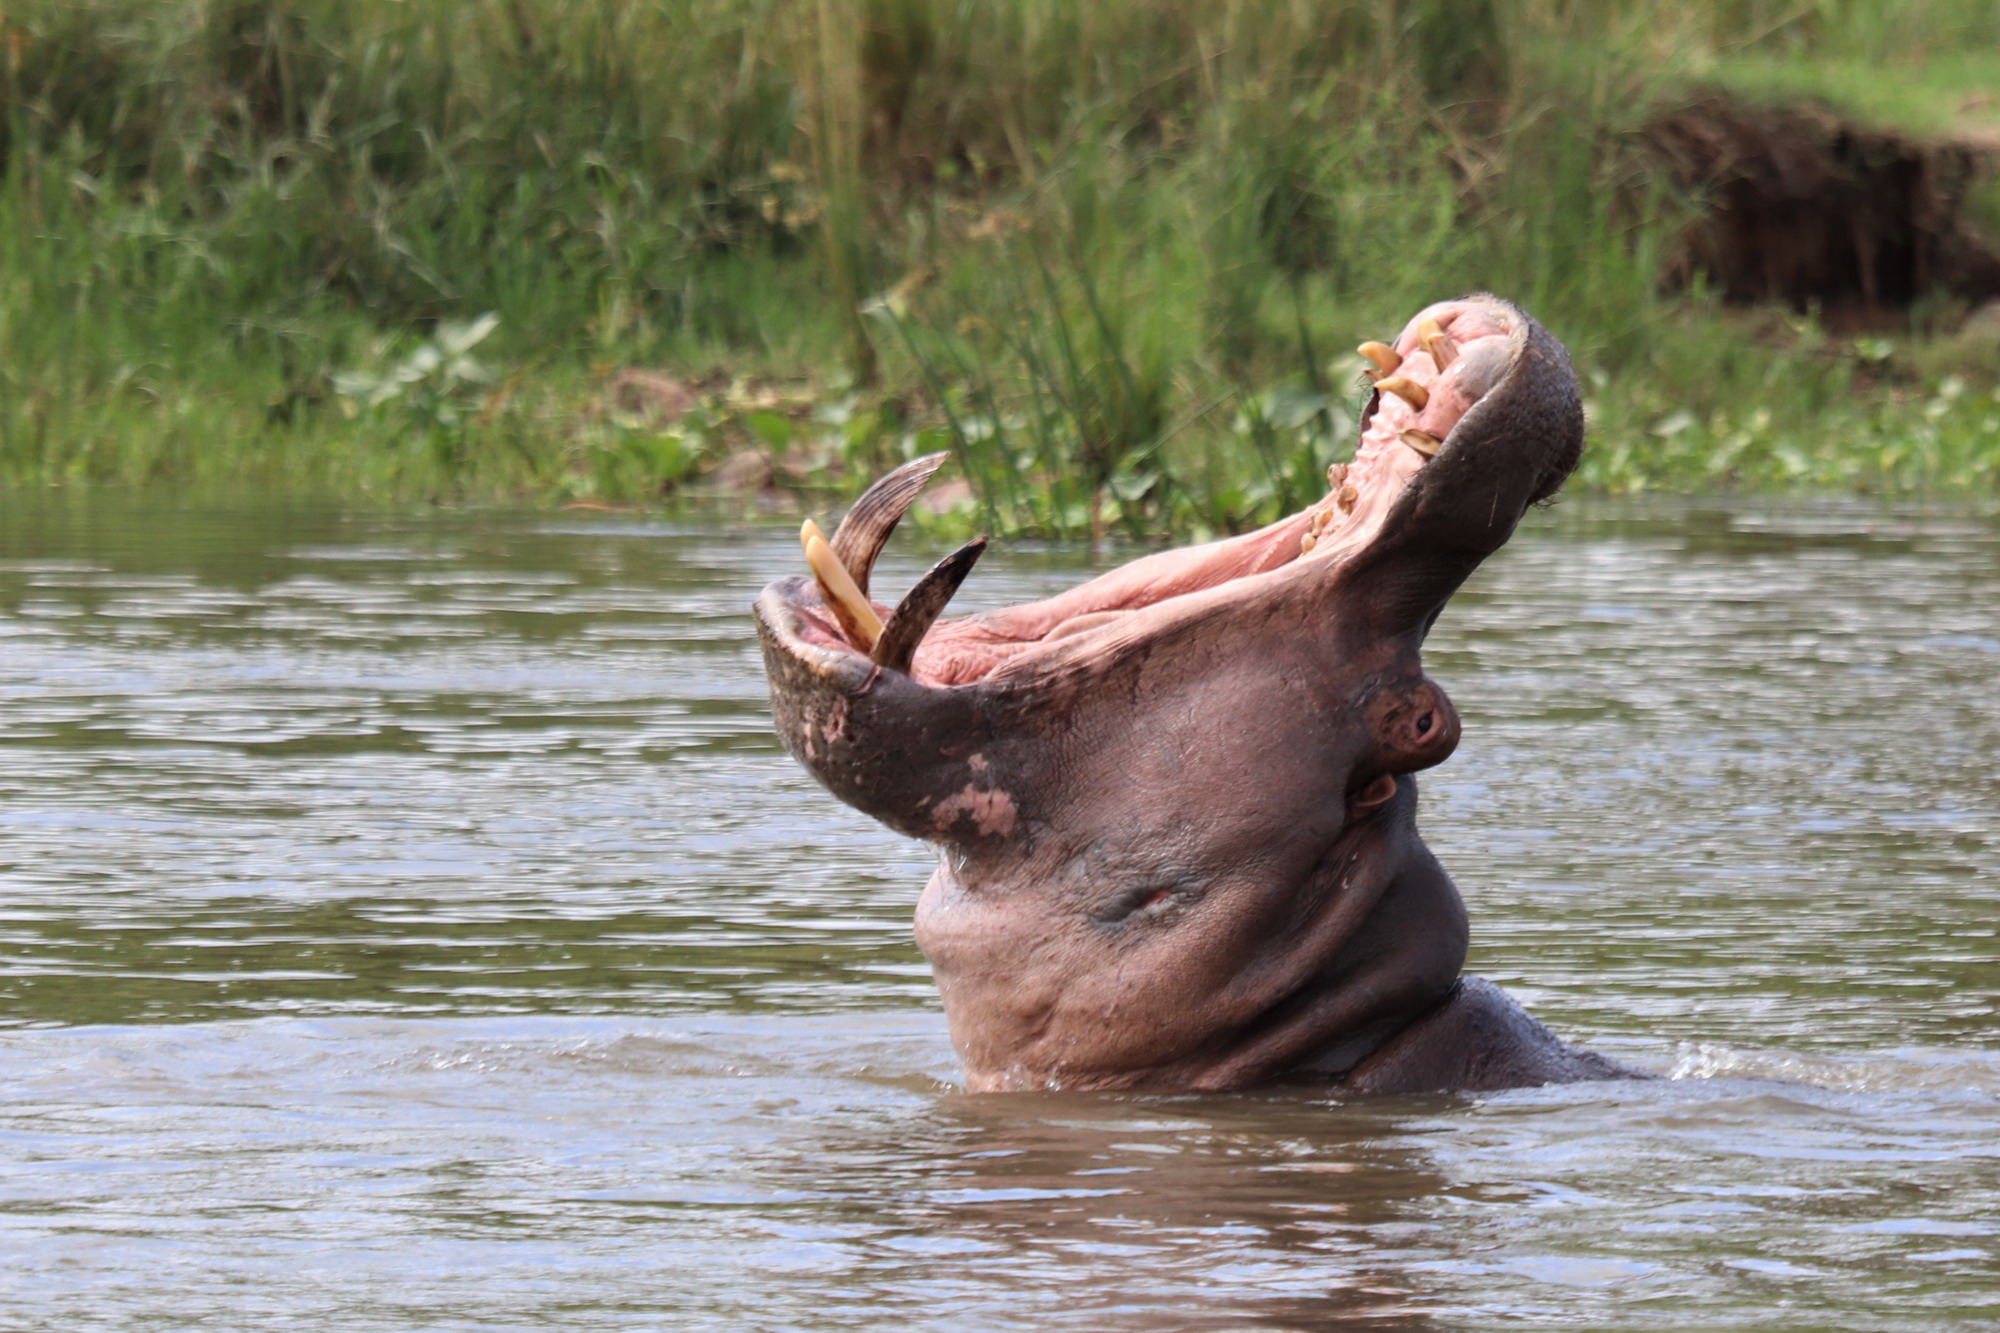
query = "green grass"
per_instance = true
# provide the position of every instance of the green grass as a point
(1113, 254)
(1925, 93)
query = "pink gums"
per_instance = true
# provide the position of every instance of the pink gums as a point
(1383, 464)
(958, 651)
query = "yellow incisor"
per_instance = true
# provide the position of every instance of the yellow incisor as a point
(1411, 392)
(844, 597)
(1433, 339)
(1383, 355)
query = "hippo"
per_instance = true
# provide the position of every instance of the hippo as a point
(1173, 807)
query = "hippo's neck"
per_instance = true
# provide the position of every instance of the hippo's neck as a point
(1398, 966)
(1478, 1040)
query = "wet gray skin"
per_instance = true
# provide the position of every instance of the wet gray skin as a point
(1174, 807)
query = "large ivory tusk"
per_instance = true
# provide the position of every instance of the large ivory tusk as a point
(857, 618)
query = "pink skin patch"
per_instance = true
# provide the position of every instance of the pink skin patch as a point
(992, 812)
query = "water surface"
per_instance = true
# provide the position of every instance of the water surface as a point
(411, 922)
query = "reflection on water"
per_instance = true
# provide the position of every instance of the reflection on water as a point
(411, 922)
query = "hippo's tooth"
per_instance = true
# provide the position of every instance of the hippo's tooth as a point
(1422, 441)
(862, 534)
(919, 610)
(1383, 355)
(1433, 339)
(1411, 392)
(1485, 363)
(857, 618)
(1346, 497)
(1307, 542)
(1336, 474)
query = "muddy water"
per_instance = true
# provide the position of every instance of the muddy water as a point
(410, 922)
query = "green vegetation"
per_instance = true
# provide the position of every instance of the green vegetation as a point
(1114, 253)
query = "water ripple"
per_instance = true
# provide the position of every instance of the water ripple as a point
(411, 921)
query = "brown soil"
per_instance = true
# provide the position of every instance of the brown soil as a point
(1813, 210)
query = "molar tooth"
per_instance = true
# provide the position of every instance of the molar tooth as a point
(1336, 474)
(1433, 339)
(1406, 389)
(1484, 364)
(862, 534)
(1348, 495)
(857, 618)
(1383, 355)
(920, 608)
(1422, 441)
(1307, 542)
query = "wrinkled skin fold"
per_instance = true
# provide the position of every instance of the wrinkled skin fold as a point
(1174, 808)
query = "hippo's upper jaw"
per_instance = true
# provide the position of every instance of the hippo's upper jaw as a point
(1176, 831)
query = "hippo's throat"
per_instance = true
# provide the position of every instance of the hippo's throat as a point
(1248, 980)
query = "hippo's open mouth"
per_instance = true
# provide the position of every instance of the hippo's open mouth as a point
(1173, 803)
(1448, 358)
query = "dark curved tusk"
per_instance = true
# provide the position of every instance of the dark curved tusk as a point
(863, 533)
(917, 612)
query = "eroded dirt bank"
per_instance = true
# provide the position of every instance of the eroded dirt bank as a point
(1808, 208)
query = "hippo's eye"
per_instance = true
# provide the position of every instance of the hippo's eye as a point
(1133, 902)
(1424, 724)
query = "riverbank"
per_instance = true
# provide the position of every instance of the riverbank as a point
(556, 252)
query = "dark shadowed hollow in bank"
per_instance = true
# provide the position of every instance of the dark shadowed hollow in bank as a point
(1818, 212)
(1112, 255)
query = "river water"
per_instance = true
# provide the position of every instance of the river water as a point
(410, 922)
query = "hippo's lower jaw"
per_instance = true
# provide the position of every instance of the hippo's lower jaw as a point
(1173, 805)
